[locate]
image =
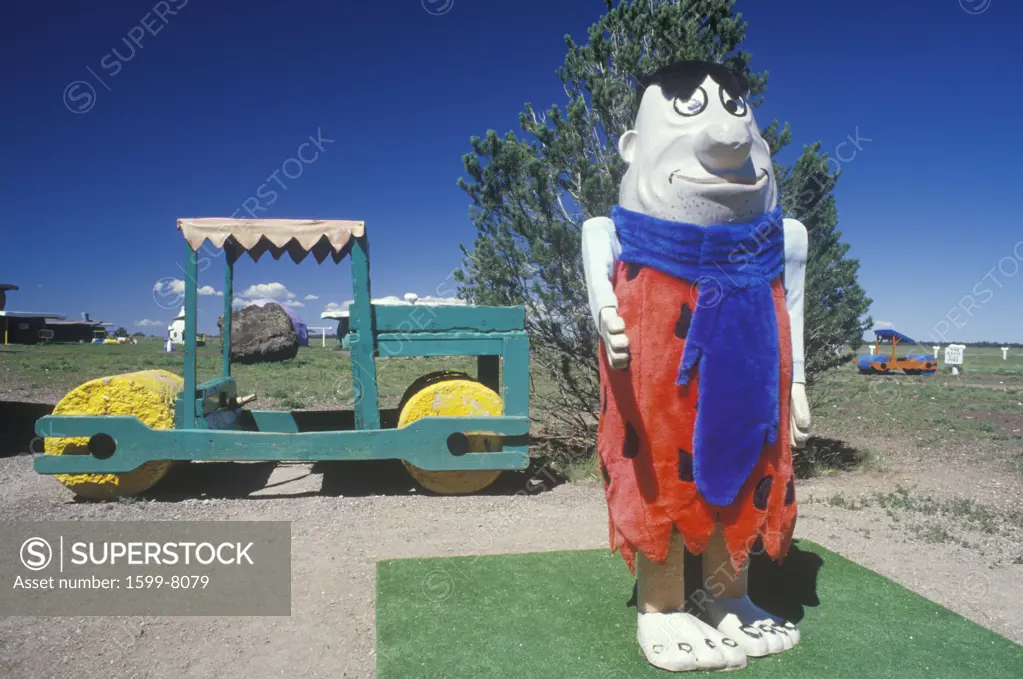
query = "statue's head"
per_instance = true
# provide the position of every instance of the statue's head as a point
(696, 154)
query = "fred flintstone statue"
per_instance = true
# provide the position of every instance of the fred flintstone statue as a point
(696, 286)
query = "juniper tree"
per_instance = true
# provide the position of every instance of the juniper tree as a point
(531, 191)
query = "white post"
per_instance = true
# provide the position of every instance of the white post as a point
(1005, 353)
(324, 337)
(937, 349)
(871, 349)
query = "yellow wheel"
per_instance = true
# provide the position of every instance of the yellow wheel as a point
(148, 395)
(460, 397)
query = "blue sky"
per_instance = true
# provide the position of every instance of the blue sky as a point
(104, 150)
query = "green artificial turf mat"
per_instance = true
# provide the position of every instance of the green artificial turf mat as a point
(564, 615)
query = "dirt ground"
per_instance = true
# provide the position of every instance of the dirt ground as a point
(942, 527)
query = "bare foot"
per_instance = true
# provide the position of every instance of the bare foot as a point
(680, 642)
(758, 632)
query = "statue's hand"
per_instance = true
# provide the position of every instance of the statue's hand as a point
(612, 331)
(799, 418)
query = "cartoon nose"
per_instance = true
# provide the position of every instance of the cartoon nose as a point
(724, 147)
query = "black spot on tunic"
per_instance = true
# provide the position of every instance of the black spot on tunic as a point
(761, 494)
(685, 317)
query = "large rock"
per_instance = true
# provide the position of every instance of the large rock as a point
(261, 334)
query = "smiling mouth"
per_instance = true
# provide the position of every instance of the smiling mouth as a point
(717, 179)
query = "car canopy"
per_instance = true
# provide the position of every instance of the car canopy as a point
(889, 334)
(297, 237)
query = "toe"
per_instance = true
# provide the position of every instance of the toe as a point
(771, 636)
(671, 658)
(748, 638)
(783, 634)
(792, 631)
(708, 655)
(731, 653)
(705, 642)
(786, 631)
(751, 639)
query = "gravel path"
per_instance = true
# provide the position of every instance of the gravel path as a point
(345, 518)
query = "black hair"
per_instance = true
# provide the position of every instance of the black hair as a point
(681, 79)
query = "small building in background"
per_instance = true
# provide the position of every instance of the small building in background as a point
(23, 327)
(85, 330)
(176, 330)
(32, 327)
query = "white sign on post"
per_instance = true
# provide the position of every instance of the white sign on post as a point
(1005, 353)
(954, 356)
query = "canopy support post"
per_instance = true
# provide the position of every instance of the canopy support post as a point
(225, 330)
(191, 286)
(362, 340)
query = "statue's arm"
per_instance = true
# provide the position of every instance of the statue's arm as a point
(600, 251)
(600, 254)
(796, 247)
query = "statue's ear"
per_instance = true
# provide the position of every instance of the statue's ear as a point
(627, 145)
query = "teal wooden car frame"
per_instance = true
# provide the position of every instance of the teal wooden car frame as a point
(210, 424)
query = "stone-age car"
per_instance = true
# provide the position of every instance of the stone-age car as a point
(879, 364)
(118, 436)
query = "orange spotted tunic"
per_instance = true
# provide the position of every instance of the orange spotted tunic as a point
(645, 435)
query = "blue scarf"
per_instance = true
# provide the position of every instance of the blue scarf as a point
(732, 336)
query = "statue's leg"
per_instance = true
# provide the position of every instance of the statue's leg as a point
(670, 638)
(730, 610)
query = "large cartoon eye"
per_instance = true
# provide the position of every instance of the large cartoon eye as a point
(734, 105)
(692, 106)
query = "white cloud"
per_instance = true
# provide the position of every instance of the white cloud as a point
(276, 291)
(310, 298)
(292, 304)
(145, 323)
(169, 287)
(883, 324)
(334, 306)
(175, 287)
